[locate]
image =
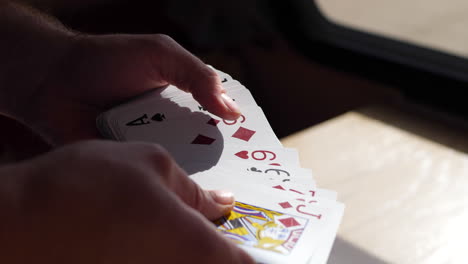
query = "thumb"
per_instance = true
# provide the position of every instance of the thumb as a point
(211, 246)
(179, 67)
(212, 204)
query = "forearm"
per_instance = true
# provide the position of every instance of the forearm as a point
(31, 45)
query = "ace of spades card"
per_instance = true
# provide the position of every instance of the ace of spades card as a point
(194, 133)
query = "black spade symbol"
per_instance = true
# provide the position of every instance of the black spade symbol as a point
(158, 117)
(255, 169)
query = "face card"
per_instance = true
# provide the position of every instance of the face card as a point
(305, 242)
(330, 213)
(260, 228)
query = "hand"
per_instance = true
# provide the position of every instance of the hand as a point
(98, 72)
(105, 202)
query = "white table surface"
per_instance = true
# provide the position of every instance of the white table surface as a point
(404, 181)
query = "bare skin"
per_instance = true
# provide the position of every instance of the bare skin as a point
(98, 201)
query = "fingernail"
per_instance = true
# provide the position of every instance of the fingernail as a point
(223, 197)
(233, 107)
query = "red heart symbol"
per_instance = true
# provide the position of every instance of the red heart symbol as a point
(243, 154)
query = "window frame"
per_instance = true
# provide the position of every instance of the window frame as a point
(424, 75)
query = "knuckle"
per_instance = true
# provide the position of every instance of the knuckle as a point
(161, 158)
(199, 200)
(161, 42)
(96, 155)
(90, 151)
(210, 73)
(78, 152)
(164, 38)
(155, 44)
(156, 151)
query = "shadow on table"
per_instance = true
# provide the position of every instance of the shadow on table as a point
(424, 122)
(344, 252)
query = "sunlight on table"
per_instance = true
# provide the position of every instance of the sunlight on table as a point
(406, 195)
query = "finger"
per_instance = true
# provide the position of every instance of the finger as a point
(179, 67)
(211, 246)
(212, 204)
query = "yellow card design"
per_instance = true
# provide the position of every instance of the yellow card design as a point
(262, 228)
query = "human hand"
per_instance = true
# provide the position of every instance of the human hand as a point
(98, 72)
(105, 202)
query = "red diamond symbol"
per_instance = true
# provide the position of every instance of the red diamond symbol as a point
(289, 222)
(203, 140)
(244, 134)
(279, 187)
(285, 205)
(213, 122)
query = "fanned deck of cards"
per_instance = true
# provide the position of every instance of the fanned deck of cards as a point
(280, 215)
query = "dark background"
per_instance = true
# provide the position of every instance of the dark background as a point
(301, 68)
(255, 41)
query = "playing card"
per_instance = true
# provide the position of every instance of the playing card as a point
(268, 174)
(201, 133)
(195, 159)
(252, 127)
(329, 212)
(280, 215)
(240, 183)
(153, 108)
(297, 229)
(268, 236)
(274, 156)
(323, 251)
(222, 75)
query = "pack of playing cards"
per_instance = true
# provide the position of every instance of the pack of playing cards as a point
(280, 215)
